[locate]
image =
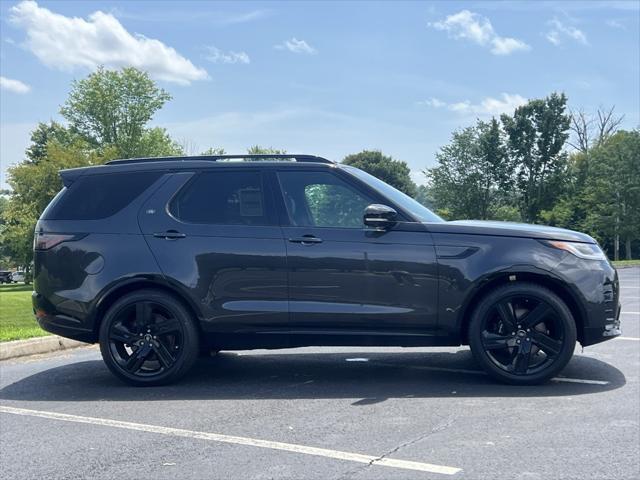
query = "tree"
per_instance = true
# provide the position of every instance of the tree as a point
(156, 142)
(424, 196)
(536, 136)
(589, 130)
(111, 108)
(258, 150)
(473, 173)
(612, 191)
(33, 186)
(394, 172)
(214, 151)
(42, 135)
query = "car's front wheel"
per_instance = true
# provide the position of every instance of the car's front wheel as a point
(522, 334)
(148, 338)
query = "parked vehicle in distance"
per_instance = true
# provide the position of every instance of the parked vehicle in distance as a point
(5, 276)
(158, 259)
(17, 277)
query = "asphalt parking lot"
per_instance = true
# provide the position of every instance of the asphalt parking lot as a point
(328, 413)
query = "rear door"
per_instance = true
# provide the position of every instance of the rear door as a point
(215, 236)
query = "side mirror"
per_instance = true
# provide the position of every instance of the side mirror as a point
(380, 217)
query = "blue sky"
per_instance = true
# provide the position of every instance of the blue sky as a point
(326, 78)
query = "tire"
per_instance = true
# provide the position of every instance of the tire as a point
(148, 338)
(522, 334)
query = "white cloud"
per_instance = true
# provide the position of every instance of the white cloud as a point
(488, 106)
(432, 102)
(615, 24)
(296, 46)
(15, 86)
(189, 15)
(67, 43)
(474, 27)
(559, 31)
(216, 55)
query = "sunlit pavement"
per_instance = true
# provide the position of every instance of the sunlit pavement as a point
(328, 413)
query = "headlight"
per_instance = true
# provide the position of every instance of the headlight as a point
(587, 251)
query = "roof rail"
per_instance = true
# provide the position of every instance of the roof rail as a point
(216, 158)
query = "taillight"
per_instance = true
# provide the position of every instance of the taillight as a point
(45, 241)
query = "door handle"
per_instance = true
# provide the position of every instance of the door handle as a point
(306, 239)
(169, 235)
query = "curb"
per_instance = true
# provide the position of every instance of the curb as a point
(33, 346)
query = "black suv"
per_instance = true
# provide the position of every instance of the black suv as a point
(161, 259)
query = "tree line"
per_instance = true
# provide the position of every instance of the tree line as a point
(542, 164)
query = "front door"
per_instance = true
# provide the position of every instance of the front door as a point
(345, 276)
(217, 239)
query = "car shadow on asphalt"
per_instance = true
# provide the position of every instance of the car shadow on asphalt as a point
(371, 377)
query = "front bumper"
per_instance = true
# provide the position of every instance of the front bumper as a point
(609, 330)
(596, 292)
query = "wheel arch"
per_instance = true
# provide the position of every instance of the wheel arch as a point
(554, 284)
(124, 287)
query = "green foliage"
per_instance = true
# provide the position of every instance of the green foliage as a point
(42, 135)
(259, 150)
(111, 108)
(156, 142)
(424, 196)
(107, 114)
(34, 185)
(214, 151)
(335, 206)
(612, 189)
(536, 135)
(473, 172)
(394, 172)
(601, 195)
(506, 213)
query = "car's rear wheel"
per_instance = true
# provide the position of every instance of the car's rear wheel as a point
(522, 334)
(148, 338)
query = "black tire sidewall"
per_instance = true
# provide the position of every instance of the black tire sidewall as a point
(536, 291)
(190, 348)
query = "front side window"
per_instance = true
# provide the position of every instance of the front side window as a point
(224, 198)
(322, 199)
(422, 213)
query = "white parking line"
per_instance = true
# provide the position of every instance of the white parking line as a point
(252, 442)
(629, 313)
(628, 338)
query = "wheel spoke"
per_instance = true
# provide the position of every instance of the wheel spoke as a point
(549, 345)
(120, 333)
(168, 325)
(522, 358)
(163, 354)
(491, 341)
(137, 358)
(535, 316)
(505, 310)
(143, 313)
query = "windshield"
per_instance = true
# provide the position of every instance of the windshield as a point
(416, 209)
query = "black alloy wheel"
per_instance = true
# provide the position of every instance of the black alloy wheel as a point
(522, 334)
(148, 338)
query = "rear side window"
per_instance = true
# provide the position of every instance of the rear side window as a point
(99, 196)
(223, 198)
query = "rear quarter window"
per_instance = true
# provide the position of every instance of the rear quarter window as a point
(94, 197)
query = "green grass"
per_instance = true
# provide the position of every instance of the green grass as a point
(16, 315)
(626, 263)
